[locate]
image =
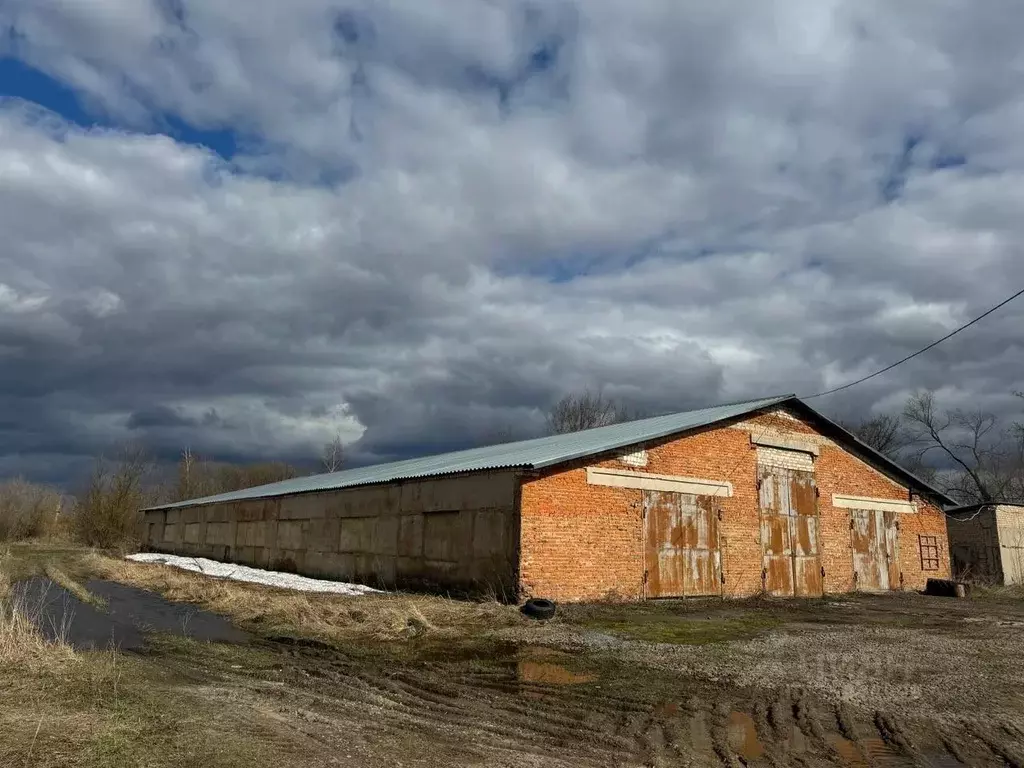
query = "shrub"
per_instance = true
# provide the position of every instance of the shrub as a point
(107, 511)
(27, 510)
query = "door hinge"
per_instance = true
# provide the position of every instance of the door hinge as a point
(897, 525)
(646, 576)
(823, 571)
(817, 492)
(851, 523)
(759, 481)
(719, 514)
(764, 574)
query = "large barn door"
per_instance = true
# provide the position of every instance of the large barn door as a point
(682, 557)
(808, 578)
(789, 532)
(875, 543)
(776, 541)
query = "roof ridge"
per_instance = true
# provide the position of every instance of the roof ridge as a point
(788, 396)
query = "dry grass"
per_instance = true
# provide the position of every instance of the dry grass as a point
(59, 576)
(21, 644)
(271, 611)
(997, 591)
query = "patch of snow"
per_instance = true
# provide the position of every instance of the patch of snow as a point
(252, 575)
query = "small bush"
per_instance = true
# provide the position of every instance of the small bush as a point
(27, 510)
(106, 512)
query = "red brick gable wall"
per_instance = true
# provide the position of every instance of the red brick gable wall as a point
(582, 542)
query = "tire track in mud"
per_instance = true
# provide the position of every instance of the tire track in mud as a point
(491, 711)
(1008, 753)
(497, 718)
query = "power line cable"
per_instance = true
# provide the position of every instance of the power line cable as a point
(920, 351)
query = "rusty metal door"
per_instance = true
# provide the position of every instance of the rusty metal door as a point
(875, 543)
(808, 577)
(789, 532)
(682, 557)
(776, 540)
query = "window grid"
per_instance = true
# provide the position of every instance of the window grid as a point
(929, 548)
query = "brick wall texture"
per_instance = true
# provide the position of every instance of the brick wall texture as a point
(585, 542)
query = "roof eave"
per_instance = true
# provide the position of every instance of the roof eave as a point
(880, 458)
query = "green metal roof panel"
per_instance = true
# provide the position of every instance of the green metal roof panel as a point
(529, 454)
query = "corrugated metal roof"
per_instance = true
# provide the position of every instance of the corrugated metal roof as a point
(980, 504)
(528, 454)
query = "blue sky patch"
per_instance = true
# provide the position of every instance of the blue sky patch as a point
(24, 82)
(19, 80)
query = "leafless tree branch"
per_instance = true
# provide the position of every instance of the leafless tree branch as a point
(585, 410)
(333, 456)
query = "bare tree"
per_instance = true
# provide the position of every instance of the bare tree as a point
(584, 410)
(333, 456)
(27, 510)
(187, 476)
(885, 433)
(199, 477)
(106, 512)
(987, 461)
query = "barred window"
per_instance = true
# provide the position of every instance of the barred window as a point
(929, 547)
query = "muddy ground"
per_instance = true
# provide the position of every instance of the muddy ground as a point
(863, 680)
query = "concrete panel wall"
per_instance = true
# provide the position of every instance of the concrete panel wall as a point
(457, 532)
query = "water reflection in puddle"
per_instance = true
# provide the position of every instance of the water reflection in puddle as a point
(742, 736)
(541, 665)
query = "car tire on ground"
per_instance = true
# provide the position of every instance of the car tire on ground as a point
(539, 608)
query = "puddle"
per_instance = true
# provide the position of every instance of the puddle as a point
(58, 614)
(130, 612)
(152, 613)
(742, 736)
(540, 665)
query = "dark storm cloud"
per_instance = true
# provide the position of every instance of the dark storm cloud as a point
(444, 216)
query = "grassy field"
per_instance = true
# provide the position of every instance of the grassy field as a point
(419, 680)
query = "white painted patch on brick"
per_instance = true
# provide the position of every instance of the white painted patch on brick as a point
(779, 457)
(634, 458)
(646, 481)
(868, 502)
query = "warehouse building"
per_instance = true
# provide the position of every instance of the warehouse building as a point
(986, 542)
(760, 496)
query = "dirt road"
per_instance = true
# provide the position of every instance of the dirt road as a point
(901, 680)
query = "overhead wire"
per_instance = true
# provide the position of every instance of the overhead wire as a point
(934, 344)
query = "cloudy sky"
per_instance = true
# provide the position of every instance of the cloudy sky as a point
(244, 226)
